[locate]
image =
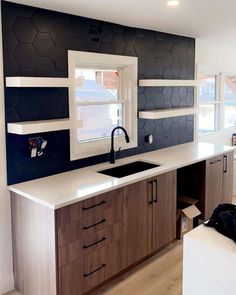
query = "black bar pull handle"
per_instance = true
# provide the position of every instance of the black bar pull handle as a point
(96, 205)
(225, 164)
(93, 244)
(95, 224)
(90, 273)
(151, 202)
(216, 161)
(155, 187)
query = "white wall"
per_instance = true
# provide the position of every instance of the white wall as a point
(6, 272)
(221, 58)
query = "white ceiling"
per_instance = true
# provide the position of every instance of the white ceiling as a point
(208, 19)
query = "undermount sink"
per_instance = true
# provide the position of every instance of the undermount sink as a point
(128, 169)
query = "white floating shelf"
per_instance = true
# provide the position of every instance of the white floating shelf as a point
(29, 127)
(164, 83)
(36, 82)
(166, 113)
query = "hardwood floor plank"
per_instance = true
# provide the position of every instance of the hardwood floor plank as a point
(161, 274)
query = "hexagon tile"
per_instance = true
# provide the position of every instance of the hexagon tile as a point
(35, 43)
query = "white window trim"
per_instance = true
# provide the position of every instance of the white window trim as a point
(219, 101)
(128, 68)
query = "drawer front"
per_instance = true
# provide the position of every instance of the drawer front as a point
(86, 273)
(215, 160)
(72, 232)
(91, 206)
(90, 243)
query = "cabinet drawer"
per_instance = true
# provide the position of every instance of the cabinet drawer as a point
(214, 160)
(86, 273)
(71, 232)
(90, 243)
(80, 210)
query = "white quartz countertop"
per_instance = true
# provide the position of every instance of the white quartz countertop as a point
(62, 189)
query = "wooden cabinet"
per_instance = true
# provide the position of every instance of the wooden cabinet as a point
(218, 182)
(214, 184)
(138, 221)
(164, 209)
(228, 162)
(101, 236)
(150, 216)
(89, 235)
(84, 274)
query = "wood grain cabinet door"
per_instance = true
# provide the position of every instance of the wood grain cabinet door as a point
(228, 159)
(138, 221)
(164, 209)
(214, 184)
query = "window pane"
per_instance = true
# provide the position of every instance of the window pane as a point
(97, 85)
(207, 118)
(230, 114)
(98, 121)
(207, 88)
(230, 88)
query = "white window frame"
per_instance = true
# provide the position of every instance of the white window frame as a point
(127, 67)
(224, 101)
(220, 101)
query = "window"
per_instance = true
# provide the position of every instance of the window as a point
(103, 95)
(208, 111)
(99, 106)
(229, 101)
(216, 102)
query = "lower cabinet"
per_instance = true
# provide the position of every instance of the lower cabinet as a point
(85, 273)
(164, 209)
(228, 168)
(218, 183)
(89, 242)
(102, 236)
(138, 221)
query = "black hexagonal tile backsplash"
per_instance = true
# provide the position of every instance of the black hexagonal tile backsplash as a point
(35, 43)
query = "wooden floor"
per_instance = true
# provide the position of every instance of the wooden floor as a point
(160, 275)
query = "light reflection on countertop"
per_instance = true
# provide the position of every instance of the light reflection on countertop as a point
(62, 189)
(84, 191)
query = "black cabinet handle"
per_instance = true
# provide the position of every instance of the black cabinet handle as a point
(225, 164)
(96, 205)
(95, 224)
(216, 161)
(155, 187)
(99, 241)
(151, 182)
(90, 273)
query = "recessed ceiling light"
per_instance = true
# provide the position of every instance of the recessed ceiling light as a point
(173, 2)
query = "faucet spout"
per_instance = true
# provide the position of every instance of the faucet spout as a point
(112, 151)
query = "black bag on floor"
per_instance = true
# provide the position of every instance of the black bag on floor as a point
(223, 220)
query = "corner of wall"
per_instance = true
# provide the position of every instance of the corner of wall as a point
(6, 268)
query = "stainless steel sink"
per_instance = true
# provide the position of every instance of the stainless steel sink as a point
(128, 169)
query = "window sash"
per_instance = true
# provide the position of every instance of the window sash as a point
(120, 117)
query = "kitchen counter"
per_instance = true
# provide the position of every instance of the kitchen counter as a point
(63, 189)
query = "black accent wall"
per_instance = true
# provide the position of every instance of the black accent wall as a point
(35, 43)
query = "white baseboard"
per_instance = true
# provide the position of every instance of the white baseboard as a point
(7, 284)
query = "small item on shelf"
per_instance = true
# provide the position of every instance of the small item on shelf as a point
(37, 145)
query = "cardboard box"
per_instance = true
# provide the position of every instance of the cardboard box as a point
(186, 212)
